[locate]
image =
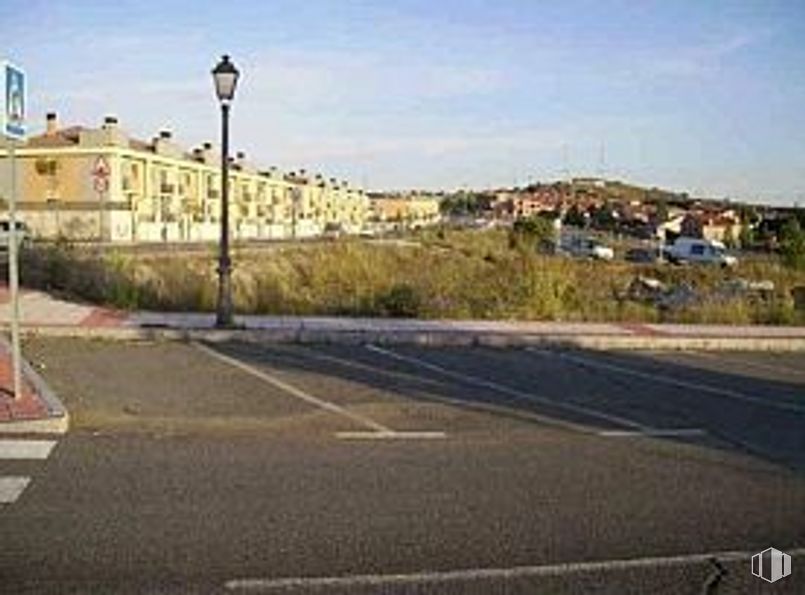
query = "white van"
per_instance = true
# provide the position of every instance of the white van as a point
(23, 233)
(697, 250)
(587, 247)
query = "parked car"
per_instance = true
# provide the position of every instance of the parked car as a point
(697, 250)
(587, 247)
(333, 231)
(643, 255)
(23, 234)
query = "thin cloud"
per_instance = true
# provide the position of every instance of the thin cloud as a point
(308, 79)
(700, 60)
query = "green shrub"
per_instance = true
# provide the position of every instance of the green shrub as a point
(532, 232)
(793, 244)
(401, 301)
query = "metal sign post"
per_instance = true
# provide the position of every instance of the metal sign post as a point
(13, 121)
(100, 182)
(13, 273)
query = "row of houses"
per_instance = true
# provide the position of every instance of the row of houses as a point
(589, 201)
(403, 211)
(85, 183)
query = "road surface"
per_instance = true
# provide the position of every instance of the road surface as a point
(247, 468)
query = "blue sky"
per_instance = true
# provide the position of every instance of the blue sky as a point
(706, 97)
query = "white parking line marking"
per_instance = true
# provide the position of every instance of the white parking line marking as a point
(11, 488)
(402, 435)
(356, 365)
(512, 392)
(380, 581)
(452, 402)
(706, 388)
(296, 392)
(25, 449)
(656, 433)
(752, 364)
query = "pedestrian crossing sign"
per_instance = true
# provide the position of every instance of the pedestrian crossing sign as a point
(14, 100)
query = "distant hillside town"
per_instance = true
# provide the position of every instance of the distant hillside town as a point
(615, 206)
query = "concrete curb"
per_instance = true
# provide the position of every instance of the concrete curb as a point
(58, 420)
(444, 338)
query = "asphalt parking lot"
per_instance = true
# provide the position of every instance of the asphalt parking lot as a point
(242, 467)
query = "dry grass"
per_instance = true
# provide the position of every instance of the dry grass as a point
(445, 275)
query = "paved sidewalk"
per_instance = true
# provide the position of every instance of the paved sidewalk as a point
(46, 314)
(36, 410)
(28, 406)
(38, 308)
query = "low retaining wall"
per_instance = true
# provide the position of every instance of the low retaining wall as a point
(432, 338)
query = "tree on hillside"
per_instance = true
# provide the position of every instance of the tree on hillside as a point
(529, 233)
(730, 241)
(604, 218)
(465, 204)
(575, 217)
(661, 212)
(800, 216)
(748, 214)
(792, 244)
(746, 238)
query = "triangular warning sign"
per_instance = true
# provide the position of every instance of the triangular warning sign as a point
(101, 168)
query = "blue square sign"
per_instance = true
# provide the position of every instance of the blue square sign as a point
(14, 102)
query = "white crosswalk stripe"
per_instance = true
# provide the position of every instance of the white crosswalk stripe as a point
(17, 449)
(11, 488)
(26, 449)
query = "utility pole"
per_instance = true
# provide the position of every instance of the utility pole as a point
(602, 160)
(566, 162)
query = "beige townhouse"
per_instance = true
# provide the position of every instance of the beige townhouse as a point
(91, 184)
(409, 211)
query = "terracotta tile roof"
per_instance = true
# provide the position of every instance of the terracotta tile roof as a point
(66, 137)
(136, 144)
(69, 137)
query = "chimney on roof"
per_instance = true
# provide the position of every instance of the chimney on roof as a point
(110, 129)
(163, 145)
(51, 123)
(110, 133)
(207, 155)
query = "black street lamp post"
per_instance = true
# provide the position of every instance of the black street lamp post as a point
(225, 76)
